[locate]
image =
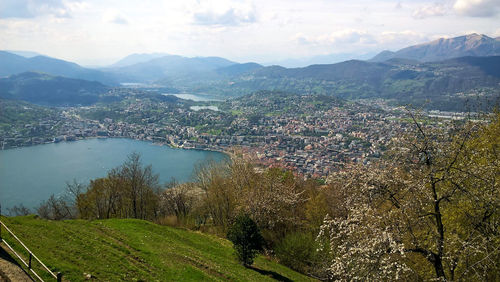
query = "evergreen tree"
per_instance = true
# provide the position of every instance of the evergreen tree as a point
(246, 238)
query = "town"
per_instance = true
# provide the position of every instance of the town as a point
(310, 134)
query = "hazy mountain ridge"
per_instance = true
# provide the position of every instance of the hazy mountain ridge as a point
(321, 59)
(133, 59)
(447, 85)
(441, 84)
(167, 67)
(14, 64)
(26, 54)
(50, 90)
(446, 48)
(238, 69)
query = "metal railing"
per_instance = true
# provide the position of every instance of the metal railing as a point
(32, 256)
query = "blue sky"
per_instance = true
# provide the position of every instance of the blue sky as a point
(92, 32)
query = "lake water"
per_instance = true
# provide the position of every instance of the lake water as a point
(31, 174)
(198, 108)
(194, 97)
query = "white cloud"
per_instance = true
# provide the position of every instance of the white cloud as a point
(348, 36)
(116, 18)
(243, 30)
(477, 8)
(361, 40)
(224, 13)
(401, 38)
(433, 10)
(34, 8)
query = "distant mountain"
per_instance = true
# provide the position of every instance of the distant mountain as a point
(320, 59)
(136, 58)
(26, 54)
(446, 85)
(353, 70)
(383, 56)
(50, 90)
(169, 67)
(446, 48)
(238, 69)
(14, 64)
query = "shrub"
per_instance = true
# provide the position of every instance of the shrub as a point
(246, 238)
(299, 251)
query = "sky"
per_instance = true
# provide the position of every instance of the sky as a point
(99, 32)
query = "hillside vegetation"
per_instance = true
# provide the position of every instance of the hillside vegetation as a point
(448, 85)
(44, 89)
(130, 249)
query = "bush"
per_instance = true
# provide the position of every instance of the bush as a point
(246, 238)
(299, 252)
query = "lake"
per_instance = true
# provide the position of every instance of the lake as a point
(194, 97)
(29, 175)
(198, 108)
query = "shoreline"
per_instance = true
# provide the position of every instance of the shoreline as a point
(173, 146)
(103, 154)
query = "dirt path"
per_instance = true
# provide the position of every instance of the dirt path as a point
(10, 269)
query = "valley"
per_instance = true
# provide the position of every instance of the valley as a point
(360, 170)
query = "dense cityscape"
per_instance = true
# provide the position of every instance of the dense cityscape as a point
(312, 135)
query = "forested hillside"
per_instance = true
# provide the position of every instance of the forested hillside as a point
(448, 85)
(44, 89)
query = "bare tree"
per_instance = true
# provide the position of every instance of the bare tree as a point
(55, 208)
(18, 210)
(130, 190)
(178, 199)
(141, 184)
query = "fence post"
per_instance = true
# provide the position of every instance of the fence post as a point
(59, 277)
(29, 263)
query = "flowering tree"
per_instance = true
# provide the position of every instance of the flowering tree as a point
(429, 210)
(363, 243)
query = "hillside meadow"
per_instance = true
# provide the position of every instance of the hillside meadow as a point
(136, 250)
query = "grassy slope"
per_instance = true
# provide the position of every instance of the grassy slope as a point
(128, 249)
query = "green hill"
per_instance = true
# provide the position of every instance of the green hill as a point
(45, 89)
(453, 84)
(128, 249)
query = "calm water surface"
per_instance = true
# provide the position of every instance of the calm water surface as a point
(31, 174)
(194, 97)
(198, 108)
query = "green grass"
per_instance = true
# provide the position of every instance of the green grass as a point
(128, 249)
(236, 112)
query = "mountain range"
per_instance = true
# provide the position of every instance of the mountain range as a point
(320, 59)
(169, 66)
(26, 54)
(14, 64)
(441, 74)
(136, 58)
(477, 45)
(445, 85)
